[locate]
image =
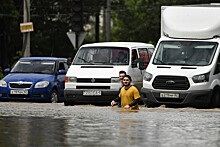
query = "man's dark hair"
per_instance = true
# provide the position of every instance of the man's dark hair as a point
(122, 71)
(129, 77)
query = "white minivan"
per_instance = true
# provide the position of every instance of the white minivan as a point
(93, 74)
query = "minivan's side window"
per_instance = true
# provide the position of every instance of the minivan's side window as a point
(134, 55)
(134, 58)
(146, 54)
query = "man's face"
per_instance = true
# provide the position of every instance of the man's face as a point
(126, 81)
(121, 76)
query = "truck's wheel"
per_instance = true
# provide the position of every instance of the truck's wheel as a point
(68, 103)
(54, 96)
(215, 100)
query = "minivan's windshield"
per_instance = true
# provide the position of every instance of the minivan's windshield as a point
(102, 56)
(189, 53)
(34, 66)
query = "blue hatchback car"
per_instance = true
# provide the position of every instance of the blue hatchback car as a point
(35, 78)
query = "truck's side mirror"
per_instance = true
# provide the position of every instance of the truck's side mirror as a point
(69, 61)
(7, 70)
(217, 68)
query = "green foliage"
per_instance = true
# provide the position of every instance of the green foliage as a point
(139, 20)
(133, 20)
(1, 74)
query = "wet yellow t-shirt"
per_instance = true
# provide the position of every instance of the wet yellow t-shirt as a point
(128, 96)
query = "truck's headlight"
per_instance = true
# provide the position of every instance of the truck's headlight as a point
(3, 83)
(41, 84)
(147, 76)
(71, 79)
(115, 80)
(201, 78)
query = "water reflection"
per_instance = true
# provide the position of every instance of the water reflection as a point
(57, 125)
(31, 131)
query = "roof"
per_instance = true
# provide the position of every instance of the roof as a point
(119, 44)
(43, 58)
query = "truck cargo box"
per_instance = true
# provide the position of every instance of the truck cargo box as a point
(198, 22)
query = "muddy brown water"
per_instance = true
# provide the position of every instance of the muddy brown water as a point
(43, 124)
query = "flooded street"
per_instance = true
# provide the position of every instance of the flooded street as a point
(44, 124)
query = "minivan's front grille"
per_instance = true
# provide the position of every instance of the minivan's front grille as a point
(92, 87)
(23, 85)
(93, 80)
(171, 83)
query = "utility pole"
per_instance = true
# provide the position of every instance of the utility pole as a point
(108, 21)
(26, 35)
(97, 27)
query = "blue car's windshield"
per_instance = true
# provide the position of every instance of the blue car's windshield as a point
(34, 66)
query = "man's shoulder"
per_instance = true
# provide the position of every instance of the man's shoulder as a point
(133, 86)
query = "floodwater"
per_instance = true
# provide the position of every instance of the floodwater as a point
(26, 124)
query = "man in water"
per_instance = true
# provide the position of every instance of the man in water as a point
(129, 95)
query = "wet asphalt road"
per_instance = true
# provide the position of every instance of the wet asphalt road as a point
(26, 124)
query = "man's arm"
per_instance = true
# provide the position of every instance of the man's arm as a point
(134, 102)
(115, 101)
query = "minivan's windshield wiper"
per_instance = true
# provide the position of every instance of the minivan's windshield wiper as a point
(85, 60)
(160, 61)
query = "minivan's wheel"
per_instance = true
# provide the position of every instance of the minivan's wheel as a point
(151, 105)
(54, 96)
(215, 100)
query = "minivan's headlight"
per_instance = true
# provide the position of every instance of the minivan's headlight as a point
(41, 84)
(3, 83)
(71, 79)
(115, 80)
(201, 78)
(147, 76)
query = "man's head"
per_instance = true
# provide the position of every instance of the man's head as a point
(121, 55)
(127, 80)
(121, 75)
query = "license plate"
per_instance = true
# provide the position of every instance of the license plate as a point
(169, 95)
(92, 92)
(25, 92)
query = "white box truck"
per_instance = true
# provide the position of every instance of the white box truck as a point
(185, 67)
(93, 76)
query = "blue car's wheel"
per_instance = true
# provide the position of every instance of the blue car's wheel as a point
(54, 96)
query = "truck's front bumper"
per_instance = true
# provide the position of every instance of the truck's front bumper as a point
(76, 96)
(196, 98)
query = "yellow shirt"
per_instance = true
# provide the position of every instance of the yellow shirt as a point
(128, 96)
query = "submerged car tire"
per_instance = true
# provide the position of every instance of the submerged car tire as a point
(54, 96)
(215, 100)
(68, 103)
(151, 105)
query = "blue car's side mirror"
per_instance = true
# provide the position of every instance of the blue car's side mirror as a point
(7, 70)
(62, 71)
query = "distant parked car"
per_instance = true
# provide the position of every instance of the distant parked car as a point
(35, 78)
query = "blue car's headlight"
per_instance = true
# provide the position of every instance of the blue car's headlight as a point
(3, 83)
(201, 78)
(41, 84)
